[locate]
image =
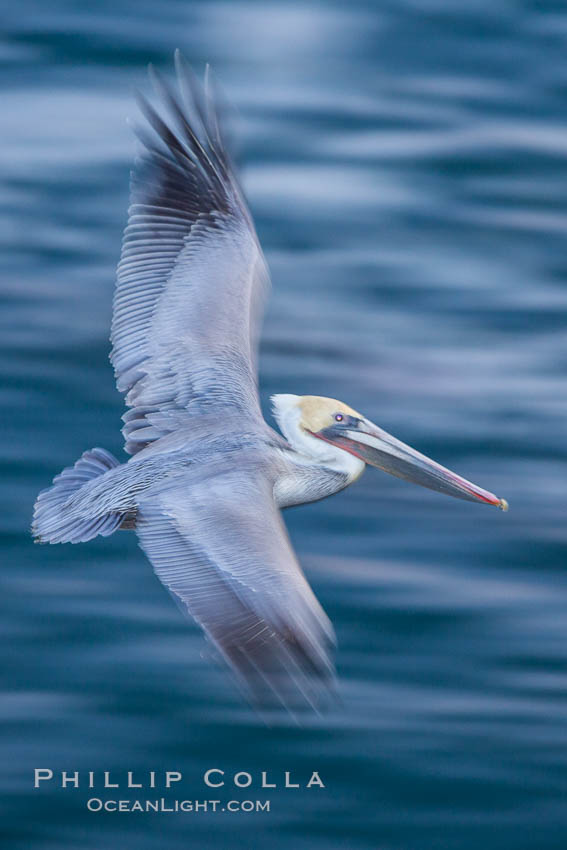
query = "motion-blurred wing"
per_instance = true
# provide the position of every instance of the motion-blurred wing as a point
(191, 274)
(221, 547)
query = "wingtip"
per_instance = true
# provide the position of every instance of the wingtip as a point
(156, 78)
(181, 64)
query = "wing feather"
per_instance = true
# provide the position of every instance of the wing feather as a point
(221, 548)
(191, 277)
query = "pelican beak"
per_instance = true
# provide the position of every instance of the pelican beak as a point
(378, 448)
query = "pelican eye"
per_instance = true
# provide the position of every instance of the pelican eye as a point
(339, 417)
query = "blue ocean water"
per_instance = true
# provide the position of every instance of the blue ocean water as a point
(406, 164)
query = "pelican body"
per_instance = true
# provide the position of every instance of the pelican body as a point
(207, 477)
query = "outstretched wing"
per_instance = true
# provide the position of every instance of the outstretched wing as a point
(220, 545)
(191, 275)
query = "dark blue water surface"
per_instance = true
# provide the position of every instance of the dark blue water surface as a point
(406, 163)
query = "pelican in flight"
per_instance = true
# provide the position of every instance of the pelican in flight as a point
(207, 477)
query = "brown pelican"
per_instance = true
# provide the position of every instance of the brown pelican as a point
(207, 476)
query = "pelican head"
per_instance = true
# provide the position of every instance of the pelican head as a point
(327, 431)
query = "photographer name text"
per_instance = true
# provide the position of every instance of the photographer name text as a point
(214, 777)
